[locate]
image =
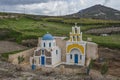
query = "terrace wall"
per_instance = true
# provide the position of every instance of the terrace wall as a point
(13, 58)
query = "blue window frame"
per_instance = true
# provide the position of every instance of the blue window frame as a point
(49, 44)
(44, 44)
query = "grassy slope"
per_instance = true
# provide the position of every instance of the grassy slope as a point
(31, 28)
(112, 41)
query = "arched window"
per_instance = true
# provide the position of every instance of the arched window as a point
(78, 38)
(73, 38)
(70, 56)
(75, 30)
(42, 52)
(49, 44)
(80, 57)
(44, 44)
(56, 51)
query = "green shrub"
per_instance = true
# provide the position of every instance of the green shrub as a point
(20, 59)
(91, 64)
(24, 37)
(6, 33)
(5, 55)
(104, 68)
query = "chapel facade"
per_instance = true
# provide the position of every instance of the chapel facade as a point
(75, 48)
(77, 51)
(47, 53)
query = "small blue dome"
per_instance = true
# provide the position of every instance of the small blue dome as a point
(47, 37)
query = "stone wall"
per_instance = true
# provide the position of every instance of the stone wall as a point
(92, 50)
(13, 58)
(63, 70)
(62, 44)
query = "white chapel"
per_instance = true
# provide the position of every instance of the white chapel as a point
(47, 53)
(74, 52)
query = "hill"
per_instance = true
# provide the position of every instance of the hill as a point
(98, 12)
(26, 27)
(93, 12)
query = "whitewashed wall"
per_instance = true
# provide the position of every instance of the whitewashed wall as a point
(53, 43)
(56, 58)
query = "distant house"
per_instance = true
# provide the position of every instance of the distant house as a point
(104, 34)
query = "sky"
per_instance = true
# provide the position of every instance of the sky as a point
(52, 7)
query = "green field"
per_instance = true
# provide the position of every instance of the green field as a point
(26, 28)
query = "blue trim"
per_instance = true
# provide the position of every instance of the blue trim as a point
(76, 58)
(44, 44)
(42, 60)
(47, 37)
(33, 67)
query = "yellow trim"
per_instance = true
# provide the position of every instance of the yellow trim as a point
(72, 46)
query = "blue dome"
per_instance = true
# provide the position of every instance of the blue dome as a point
(47, 37)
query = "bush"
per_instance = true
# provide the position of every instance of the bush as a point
(104, 68)
(20, 59)
(6, 33)
(24, 37)
(91, 64)
(5, 55)
(89, 67)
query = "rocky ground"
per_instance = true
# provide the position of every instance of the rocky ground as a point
(113, 58)
(10, 72)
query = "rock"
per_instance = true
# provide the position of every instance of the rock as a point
(2, 69)
(30, 42)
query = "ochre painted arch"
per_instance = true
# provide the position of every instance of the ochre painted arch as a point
(72, 46)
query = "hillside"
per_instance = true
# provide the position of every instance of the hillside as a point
(27, 27)
(98, 12)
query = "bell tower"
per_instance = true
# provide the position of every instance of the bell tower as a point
(76, 35)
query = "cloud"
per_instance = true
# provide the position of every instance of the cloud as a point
(51, 7)
(106, 1)
(18, 2)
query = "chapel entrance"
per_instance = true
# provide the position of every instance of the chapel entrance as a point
(76, 58)
(42, 60)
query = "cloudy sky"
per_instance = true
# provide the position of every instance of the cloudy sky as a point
(52, 7)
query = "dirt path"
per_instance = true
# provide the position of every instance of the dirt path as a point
(7, 46)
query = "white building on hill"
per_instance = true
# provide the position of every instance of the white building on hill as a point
(74, 52)
(75, 48)
(47, 53)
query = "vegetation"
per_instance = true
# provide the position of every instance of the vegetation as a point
(111, 41)
(90, 66)
(6, 55)
(82, 21)
(20, 59)
(27, 27)
(104, 68)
